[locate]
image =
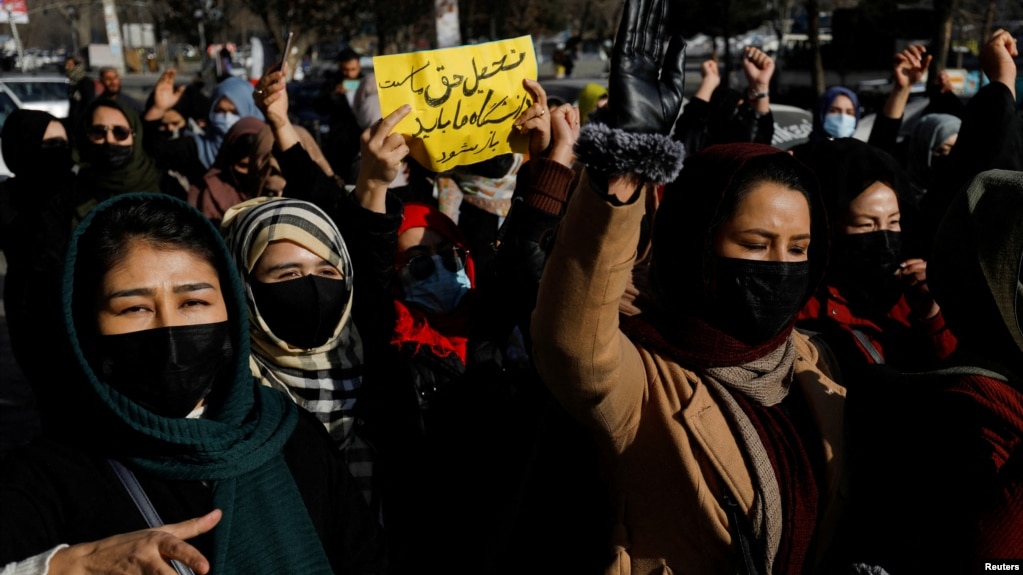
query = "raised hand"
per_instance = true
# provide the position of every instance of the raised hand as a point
(647, 70)
(565, 130)
(271, 96)
(910, 65)
(382, 153)
(165, 95)
(758, 67)
(996, 59)
(710, 79)
(144, 552)
(535, 120)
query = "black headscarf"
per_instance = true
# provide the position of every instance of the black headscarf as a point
(846, 167)
(862, 267)
(692, 210)
(694, 206)
(22, 133)
(139, 175)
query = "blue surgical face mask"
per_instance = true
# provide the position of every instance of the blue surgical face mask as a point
(839, 125)
(222, 121)
(439, 293)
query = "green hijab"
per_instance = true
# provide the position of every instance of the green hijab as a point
(237, 447)
(139, 175)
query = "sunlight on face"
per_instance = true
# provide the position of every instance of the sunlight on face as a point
(876, 209)
(772, 223)
(155, 287)
(284, 260)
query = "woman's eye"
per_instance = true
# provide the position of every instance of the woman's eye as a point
(755, 247)
(329, 273)
(798, 250)
(132, 310)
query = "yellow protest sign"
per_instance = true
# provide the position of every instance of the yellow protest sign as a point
(464, 100)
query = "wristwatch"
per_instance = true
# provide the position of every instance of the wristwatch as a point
(753, 94)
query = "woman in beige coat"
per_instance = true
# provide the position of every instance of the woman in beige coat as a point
(722, 437)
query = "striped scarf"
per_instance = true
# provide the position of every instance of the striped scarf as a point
(323, 380)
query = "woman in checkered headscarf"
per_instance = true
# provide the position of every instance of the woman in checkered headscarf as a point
(298, 286)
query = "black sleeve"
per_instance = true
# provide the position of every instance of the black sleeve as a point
(542, 189)
(349, 532)
(691, 126)
(179, 154)
(885, 133)
(991, 137)
(306, 180)
(757, 128)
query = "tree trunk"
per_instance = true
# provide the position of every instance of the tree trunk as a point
(942, 40)
(813, 31)
(989, 22)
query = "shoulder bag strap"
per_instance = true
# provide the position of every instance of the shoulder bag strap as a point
(138, 495)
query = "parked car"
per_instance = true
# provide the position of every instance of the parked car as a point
(45, 93)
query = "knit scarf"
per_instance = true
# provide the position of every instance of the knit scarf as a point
(763, 373)
(237, 446)
(766, 381)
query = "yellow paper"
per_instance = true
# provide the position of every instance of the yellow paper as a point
(464, 100)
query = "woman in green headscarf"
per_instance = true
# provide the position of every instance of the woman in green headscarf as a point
(114, 161)
(158, 325)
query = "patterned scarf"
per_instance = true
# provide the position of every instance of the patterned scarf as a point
(323, 380)
(765, 381)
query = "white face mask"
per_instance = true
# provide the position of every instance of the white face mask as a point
(838, 125)
(223, 121)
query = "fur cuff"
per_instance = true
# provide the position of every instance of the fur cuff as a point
(609, 151)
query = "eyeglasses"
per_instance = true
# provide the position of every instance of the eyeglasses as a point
(421, 267)
(98, 132)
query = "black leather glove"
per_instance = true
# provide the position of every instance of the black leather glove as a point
(647, 70)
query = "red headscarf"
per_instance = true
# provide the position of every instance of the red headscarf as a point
(442, 335)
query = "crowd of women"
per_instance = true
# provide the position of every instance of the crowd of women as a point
(676, 350)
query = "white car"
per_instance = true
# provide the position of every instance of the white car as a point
(46, 93)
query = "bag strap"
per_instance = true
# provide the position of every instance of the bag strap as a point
(744, 535)
(869, 346)
(145, 506)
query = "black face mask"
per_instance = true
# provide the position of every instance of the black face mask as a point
(51, 162)
(303, 312)
(113, 156)
(754, 300)
(863, 267)
(166, 370)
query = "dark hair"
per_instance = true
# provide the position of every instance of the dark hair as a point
(764, 169)
(161, 224)
(160, 221)
(347, 55)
